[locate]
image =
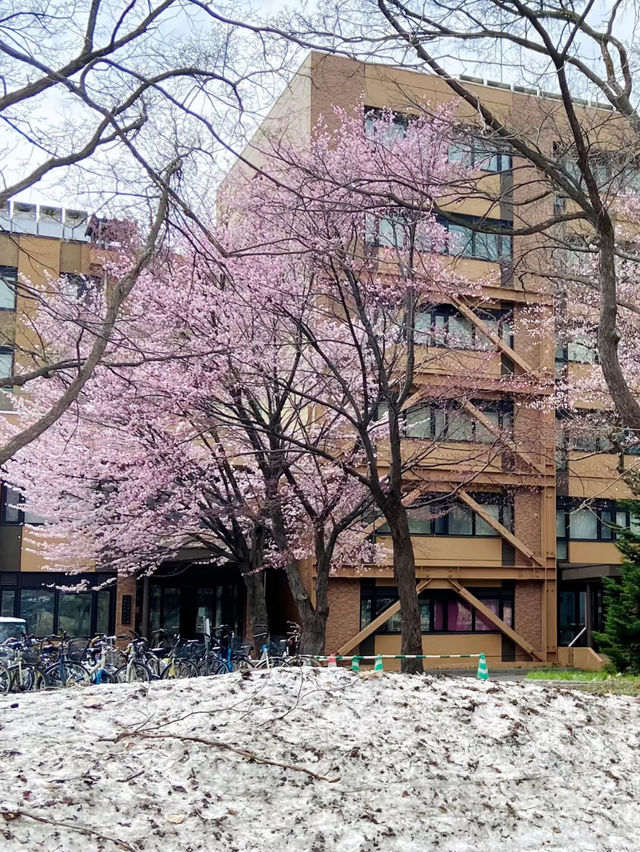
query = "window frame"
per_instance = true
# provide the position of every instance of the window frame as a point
(441, 315)
(12, 277)
(433, 599)
(440, 525)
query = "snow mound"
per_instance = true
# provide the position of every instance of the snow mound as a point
(319, 761)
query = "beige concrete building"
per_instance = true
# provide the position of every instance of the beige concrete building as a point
(518, 541)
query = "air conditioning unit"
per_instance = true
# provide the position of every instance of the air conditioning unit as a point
(50, 221)
(75, 225)
(5, 217)
(24, 218)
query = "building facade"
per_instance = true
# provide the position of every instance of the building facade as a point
(514, 568)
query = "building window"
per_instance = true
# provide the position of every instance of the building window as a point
(8, 285)
(396, 230)
(48, 609)
(443, 325)
(457, 424)
(80, 287)
(12, 511)
(467, 242)
(598, 521)
(483, 154)
(440, 611)
(6, 365)
(429, 517)
(576, 352)
(394, 124)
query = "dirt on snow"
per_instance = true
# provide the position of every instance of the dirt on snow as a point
(317, 761)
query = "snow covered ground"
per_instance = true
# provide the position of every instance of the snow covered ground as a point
(404, 764)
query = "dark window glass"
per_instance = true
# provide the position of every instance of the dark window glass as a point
(483, 623)
(7, 603)
(37, 607)
(74, 613)
(103, 611)
(458, 616)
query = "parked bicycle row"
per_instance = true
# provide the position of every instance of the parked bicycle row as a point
(29, 663)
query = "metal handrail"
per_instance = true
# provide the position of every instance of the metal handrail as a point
(575, 638)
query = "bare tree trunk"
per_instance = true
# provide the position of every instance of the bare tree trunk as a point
(404, 571)
(256, 604)
(315, 630)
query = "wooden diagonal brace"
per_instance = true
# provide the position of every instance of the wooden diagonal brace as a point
(385, 615)
(519, 640)
(494, 430)
(498, 527)
(494, 338)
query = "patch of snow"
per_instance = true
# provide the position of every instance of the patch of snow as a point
(406, 764)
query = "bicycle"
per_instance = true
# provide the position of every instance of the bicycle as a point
(19, 673)
(103, 659)
(65, 672)
(279, 653)
(136, 668)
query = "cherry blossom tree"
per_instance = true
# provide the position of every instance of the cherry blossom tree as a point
(259, 399)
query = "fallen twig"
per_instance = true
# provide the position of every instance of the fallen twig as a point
(243, 752)
(10, 814)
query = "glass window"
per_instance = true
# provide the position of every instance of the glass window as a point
(439, 419)
(458, 616)
(561, 531)
(607, 520)
(204, 609)
(483, 435)
(580, 353)
(460, 332)
(621, 518)
(483, 623)
(6, 364)
(36, 606)
(103, 611)
(8, 280)
(482, 527)
(74, 613)
(460, 426)
(171, 610)
(460, 521)
(460, 241)
(584, 524)
(419, 422)
(425, 616)
(7, 602)
(419, 520)
(11, 501)
(507, 612)
(438, 614)
(487, 246)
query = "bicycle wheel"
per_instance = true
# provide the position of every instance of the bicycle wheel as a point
(179, 669)
(66, 673)
(135, 672)
(5, 680)
(270, 663)
(242, 663)
(27, 678)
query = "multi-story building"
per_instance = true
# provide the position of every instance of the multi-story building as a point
(496, 574)
(487, 570)
(35, 242)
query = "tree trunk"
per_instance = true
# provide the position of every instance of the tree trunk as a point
(257, 606)
(315, 630)
(404, 570)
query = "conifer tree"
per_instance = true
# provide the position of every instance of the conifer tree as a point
(620, 639)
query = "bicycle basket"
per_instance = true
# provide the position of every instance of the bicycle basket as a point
(76, 649)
